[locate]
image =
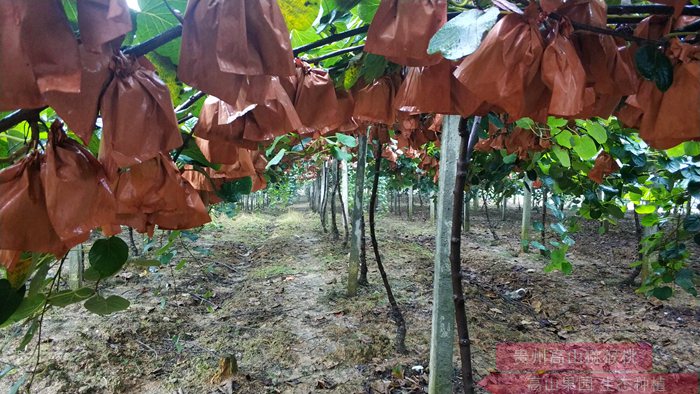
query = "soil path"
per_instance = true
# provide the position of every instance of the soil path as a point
(268, 289)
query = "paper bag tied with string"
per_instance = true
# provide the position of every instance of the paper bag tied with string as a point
(38, 53)
(262, 111)
(24, 218)
(426, 89)
(183, 208)
(102, 21)
(154, 193)
(78, 196)
(79, 110)
(505, 70)
(402, 29)
(225, 39)
(230, 131)
(610, 73)
(219, 152)
(138, 117)
(346, 107)
(273, 113)
(375, 102)
(315, 100)
(563, 72)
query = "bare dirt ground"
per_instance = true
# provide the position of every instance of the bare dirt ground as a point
(268, 290)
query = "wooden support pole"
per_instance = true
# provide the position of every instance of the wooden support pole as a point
(443, 324)
(356, 234)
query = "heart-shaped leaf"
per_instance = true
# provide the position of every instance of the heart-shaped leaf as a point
(108, 255)
(462, 35)
(299, 14)
(585, 147)
(68, 297)
(104, 306)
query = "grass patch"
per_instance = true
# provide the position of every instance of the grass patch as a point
(246, 228)
(271, 271)
(272, 348)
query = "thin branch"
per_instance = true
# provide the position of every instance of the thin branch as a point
(56, 279)
(335, 53)
(396, 314)
(190, 101)
(330, 39)
(632, 20)
(186, 141)
(18, 117)
(650, 9)
(155, 42)
(609, 32)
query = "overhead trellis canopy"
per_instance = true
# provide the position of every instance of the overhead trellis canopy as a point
(555, 58)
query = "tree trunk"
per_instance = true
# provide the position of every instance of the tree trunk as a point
(76, 267)
(398, 202)
(410, 202)
(606, 224)
(335, 234)
(363, 256)
(396, 314)
(344, 202)
(324, 196)
(443, 320)
(312, 196)
(132, 242)
(544, 216)
(467, 142)
(466, 223)
(639, 233)
(488, 218)
(527, 213)
(342, 177)
(504, 208)
(356, 240)
(475, 200)
(318, 192)
(433, 205)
